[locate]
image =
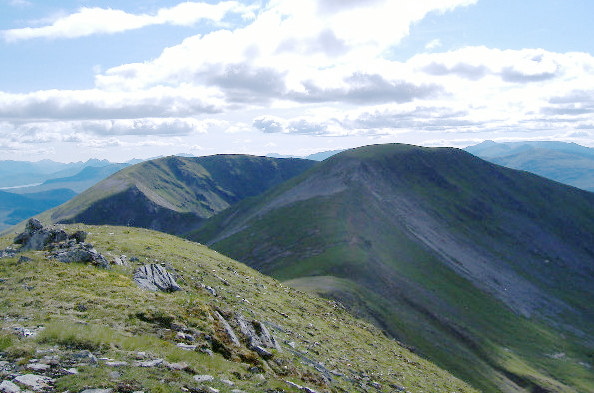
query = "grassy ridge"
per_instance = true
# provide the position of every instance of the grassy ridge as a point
(176, 194)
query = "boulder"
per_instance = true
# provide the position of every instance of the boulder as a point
(9, 387)
(154, 277)
(81, 253)
(35, 382)
(37, 237)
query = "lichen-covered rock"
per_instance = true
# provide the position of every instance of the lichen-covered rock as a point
(80, 253)
(36, 382)
(154, 277)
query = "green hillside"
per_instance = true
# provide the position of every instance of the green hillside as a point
(176, 194)
(73, 326)
(485, 270)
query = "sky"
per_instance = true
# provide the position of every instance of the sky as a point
(118, 80)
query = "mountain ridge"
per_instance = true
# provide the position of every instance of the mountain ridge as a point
(176, 194)
(385, 216)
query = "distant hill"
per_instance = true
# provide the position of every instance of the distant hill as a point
(80, 181)
(20, 173)
(567, 163)
(76, 327)
(15, 208)
(321, 156)
(486, 270)
(176, 194)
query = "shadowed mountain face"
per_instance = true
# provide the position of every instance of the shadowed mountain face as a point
(176, 194)
(486, 270)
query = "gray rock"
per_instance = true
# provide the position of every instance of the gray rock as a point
(155, 278)
(116, 363)
(256, 333)
(33, 225)
(80, 253)
(38, 367)
(186, 347)
(97, 391)
(265, 354)
(35, 382)
(78, 236)
(36, 237)
(228, 329)
(9, 387)
(150, 363)
(178, 366)
(85, 357)
(203, 378)
(7, 253)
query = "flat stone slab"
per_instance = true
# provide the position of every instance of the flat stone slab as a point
(35, 382)
(9, 387)
(203, 378)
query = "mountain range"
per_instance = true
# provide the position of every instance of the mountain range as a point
(566, 163)
(29, 188)
(484, 270)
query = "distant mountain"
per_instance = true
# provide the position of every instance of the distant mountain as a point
(176, 194)
(86, 178)
(487, 271)
(321, 156)
(20, 173)
(567, 163)
(15, 208)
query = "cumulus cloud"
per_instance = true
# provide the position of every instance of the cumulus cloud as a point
(313, 67)
(97, 104)
(468, 71)
(364, 89)
(89, 21)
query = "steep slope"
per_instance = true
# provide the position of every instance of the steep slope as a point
(72, 327)
(566, 163)
(487, 271)
(176, 194)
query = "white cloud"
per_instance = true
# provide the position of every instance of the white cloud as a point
(89, 21)
(310, 68)
(100, 104)
(20, 3)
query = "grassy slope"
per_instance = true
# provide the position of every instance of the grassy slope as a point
(403, 286)
(174, 194)
(83, 307)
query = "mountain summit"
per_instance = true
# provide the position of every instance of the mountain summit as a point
(486, 270)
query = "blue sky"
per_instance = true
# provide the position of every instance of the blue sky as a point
(117, 80)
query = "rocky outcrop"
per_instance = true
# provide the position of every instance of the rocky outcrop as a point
(154, 277)
(257, 335)
(61, 246)
(37, 237)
